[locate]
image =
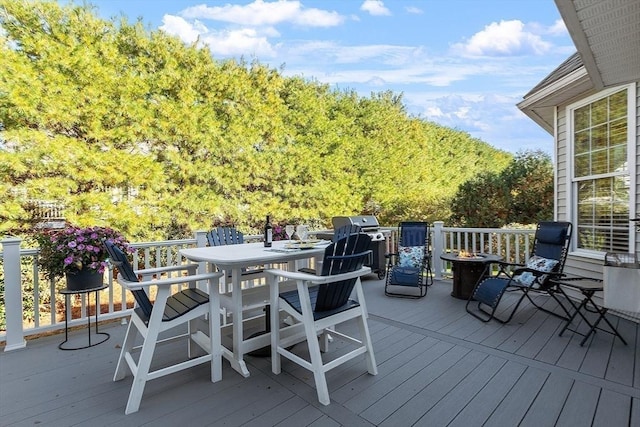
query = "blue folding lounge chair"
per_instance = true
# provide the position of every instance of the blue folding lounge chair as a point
(548, 255)
(149, 319)
(318, 304)
(409, 267)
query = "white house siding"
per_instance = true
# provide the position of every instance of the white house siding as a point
(561, 165)
(638, 162)
(581, 265)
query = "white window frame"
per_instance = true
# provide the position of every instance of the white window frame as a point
(572, 205)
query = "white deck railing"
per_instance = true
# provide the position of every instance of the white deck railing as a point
(32, 304)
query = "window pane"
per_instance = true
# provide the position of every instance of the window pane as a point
(618, 132)
(603, 214)
(582, 142)
(600, 162)
(581, 118)
(582, 165)
(618, 159)
(599, 137)
(618, 105)
(599, 113)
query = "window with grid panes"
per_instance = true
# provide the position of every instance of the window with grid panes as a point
(601, 174)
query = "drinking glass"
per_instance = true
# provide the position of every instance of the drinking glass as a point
(289, 229)
(303, 232)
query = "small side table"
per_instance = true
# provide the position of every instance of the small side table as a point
(467, 271)
(588, 287)
(104, 336)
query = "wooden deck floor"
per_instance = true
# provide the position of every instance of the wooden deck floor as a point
(438, 366)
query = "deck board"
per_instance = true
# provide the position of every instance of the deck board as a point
(437, 366)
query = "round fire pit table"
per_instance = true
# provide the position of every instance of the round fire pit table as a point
(467, 270)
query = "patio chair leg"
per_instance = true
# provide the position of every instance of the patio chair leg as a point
(372, 367)
(317, 365)
(551, 312)
(122, 367)
(142, 372)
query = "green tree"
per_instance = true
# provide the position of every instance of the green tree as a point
(133, 129)
(521, 193)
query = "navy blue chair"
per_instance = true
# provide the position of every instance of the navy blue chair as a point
(409, 270)
(224, 236)
(320, 303)
(339, 233)
(548, 256)
(150, 318)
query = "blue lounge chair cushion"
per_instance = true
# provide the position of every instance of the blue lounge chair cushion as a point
(410, 256)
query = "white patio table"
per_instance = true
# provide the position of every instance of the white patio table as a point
(232, 259)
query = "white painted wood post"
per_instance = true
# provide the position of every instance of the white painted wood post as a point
(201, 242)
(438, 248)
(13, 294)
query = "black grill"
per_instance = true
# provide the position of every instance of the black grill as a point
(369, 225)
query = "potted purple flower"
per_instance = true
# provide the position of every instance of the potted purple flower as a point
(78, 254)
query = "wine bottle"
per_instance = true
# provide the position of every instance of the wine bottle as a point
(268, 233)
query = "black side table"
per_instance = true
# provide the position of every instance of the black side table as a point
(588, 287)
(467, 271)
(67, 293)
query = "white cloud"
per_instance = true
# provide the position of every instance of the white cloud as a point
(506, 38)
(559, 28)
(237, 42)
(494, 119)
(177, 26)
(414, 10)
(261, 13)
(375, 7)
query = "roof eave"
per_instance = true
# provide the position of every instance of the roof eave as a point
(559, 92)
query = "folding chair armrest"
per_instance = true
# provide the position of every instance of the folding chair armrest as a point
(506, 264)
(170, 268)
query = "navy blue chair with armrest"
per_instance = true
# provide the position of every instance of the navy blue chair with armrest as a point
(339, 233)
(548, 256)
(409, 267)
(321, 302)
(169, 310)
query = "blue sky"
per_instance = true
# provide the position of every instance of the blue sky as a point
(460, 63)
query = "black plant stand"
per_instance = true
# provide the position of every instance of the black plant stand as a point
(104, 336)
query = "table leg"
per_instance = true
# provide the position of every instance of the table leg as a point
(601, 315)
(576, 310)
(215, 341)
(238, 338)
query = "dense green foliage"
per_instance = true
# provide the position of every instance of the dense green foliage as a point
(135, 130)
(522, 193)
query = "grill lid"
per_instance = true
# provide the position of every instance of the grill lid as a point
(367, 222)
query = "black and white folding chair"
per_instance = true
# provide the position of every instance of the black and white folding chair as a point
(549, 253)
